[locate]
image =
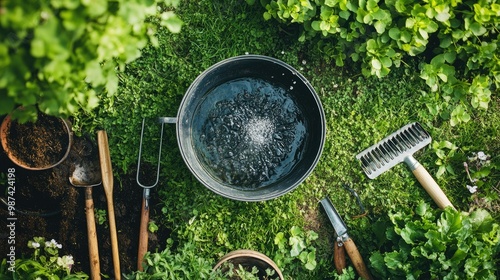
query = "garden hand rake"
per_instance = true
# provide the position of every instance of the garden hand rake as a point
(399, 147)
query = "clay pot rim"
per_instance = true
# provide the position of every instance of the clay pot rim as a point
(250, 254)
(3, 136)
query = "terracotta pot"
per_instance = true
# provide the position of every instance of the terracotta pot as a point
(249, 259)
(12, 140)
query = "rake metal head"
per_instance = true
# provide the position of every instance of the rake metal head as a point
(393, 149)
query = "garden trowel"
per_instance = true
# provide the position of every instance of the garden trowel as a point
(344, 243)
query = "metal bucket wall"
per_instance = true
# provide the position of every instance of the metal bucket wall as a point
(278, 134)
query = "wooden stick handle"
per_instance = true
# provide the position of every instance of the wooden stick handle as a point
(107, 183)
(143, 235)
(95, 270)
(105, 161)
(432, 187)
(356, 259)
(339, 257)
(114, 240)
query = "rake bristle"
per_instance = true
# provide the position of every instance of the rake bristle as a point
(393, 149)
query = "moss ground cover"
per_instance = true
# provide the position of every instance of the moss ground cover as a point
(359, 111)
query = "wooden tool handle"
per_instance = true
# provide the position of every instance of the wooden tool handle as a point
(95, 270)
(339, 257)
(356, 259)
(105, 160)
(107, 183)
(114, 240)
(432, 187)
(143, 235)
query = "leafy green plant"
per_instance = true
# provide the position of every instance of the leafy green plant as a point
(461, 67)
(45, 263)
(434, 244)
(181, 264)
(185, 263)
(445, 150)
(482, 181)
(245, 273)
(101, 216)
(152, 226)
(58, 55)
(479, 166)
(296, 245)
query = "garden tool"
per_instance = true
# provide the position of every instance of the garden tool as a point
(80, 178)
(107, 182)
(399, 147)
(344, 242)
(363, 212)
(143, 230)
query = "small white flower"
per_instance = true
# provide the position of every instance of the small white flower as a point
(52, 244)
(482, 156)
(472, 189)
(65, 261)
(282, 52)
(304, 62)
(247, 53)
(35, 245)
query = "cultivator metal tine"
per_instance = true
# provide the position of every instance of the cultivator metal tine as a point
(140, 154)
(393, 149)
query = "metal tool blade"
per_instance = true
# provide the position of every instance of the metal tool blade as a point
(334, 217)
(393, 149)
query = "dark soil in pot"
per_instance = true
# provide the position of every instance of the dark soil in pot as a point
(40, 144)
(49, 206)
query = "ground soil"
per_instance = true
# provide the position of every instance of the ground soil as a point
(48, 205)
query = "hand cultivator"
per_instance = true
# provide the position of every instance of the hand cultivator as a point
(143, 231)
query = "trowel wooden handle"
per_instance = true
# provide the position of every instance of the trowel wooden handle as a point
(356, 259)
(107, 183)
(95, 270)
(339, 257)
(432, 187)
(143, 235)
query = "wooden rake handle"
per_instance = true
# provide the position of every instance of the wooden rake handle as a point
(95, 270)
(356, 259)
(432, 188)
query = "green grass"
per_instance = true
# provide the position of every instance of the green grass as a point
(359, 112)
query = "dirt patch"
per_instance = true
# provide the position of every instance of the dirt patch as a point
(48, 205)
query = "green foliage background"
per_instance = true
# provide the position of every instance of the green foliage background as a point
(57, 56)
(360, 111)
